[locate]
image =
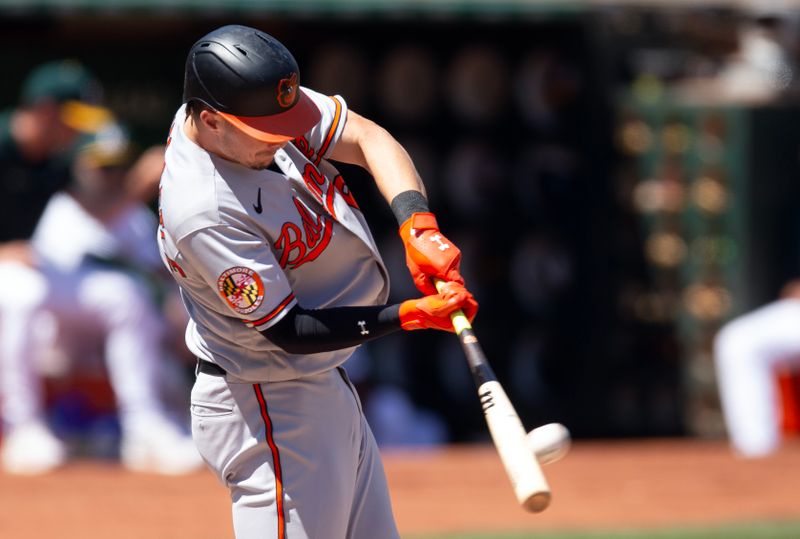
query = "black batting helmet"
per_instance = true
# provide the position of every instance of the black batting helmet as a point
(252, 80)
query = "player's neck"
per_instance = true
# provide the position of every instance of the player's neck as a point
(203, 138)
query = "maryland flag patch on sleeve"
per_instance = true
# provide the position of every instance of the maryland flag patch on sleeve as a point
(242, 288)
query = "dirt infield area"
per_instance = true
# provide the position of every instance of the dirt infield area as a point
(598, 486)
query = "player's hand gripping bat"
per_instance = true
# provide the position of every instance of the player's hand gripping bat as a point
(508, 434)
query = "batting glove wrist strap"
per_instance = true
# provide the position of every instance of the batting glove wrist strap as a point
(408, 203)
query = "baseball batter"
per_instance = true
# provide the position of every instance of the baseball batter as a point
(282, 280)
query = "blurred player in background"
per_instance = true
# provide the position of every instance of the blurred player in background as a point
(84, 266)
(748, 351)
(95, 241)
(59, 101)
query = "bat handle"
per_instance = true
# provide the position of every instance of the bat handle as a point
(460, 320)
(478, 364)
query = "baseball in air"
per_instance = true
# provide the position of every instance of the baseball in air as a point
(549, 442)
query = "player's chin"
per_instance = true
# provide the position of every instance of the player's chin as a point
(262, 161)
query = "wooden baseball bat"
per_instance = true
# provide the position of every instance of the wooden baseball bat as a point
(508, 433)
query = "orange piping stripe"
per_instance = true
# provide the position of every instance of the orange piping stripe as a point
(263, 320)
(276, 459)
(336, 117)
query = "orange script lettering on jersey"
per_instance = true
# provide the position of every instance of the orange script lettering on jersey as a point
(320, 187)
(301, 143)
(298, 246)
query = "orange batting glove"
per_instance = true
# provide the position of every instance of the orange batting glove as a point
(428, 253)
(433, 312)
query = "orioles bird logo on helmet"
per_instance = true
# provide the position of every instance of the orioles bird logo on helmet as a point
(287, 91)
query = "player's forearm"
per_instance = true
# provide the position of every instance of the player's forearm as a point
(310, 331)
(391, 166)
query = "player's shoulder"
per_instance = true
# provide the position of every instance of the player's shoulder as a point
(328, 105)
(189, 198)
(184, 211)
(320, 139)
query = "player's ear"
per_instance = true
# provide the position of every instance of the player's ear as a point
(211, 119)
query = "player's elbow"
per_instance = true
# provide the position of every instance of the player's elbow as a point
(371, 143)
(284, 335)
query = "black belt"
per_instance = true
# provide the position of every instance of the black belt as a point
(210, 368)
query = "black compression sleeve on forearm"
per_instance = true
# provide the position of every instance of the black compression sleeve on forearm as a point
(304, 331)
(407, 203)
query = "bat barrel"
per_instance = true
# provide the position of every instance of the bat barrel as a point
(536, 503)
(509, 436)
(508, 433)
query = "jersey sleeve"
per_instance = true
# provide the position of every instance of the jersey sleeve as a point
(318, 143)
(240, 273)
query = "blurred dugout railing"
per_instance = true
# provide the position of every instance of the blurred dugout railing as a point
(714, 186)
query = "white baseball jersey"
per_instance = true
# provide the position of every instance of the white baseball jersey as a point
(66, 234)
(247, 245)
(109, 302)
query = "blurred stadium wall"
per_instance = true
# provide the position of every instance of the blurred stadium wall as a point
(550, 151)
